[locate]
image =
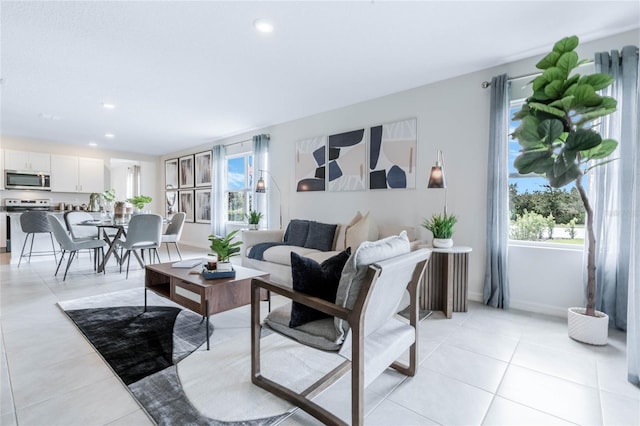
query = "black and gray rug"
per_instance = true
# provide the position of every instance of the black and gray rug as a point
(144, 349)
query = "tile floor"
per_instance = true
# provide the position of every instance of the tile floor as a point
(484, 366)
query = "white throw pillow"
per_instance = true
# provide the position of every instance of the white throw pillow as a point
(355, 269)
(342, 232)
(360, 232)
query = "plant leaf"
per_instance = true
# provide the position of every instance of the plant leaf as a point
(597, 81)
(589, 116)
(527, 132)
(602, 163)
(564, 169)
(533, 162)
(553, 73)
(586, 96)
(603, 150)
(567, 62)
(548, 61)
(553, 89)
(582, 140)
(546, 108)
(567, 44)
(539, 83)
(564, 103)
(550, 130)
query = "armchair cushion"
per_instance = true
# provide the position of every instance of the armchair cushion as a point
(320, 236)
(316, 279)
(355, 269)
(320, 334)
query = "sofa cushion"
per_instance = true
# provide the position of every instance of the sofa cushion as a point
(282, 254)
(320, 236)
(316, 279)
(296, 234)
(364, 230)
(341, 233)
(355, 269)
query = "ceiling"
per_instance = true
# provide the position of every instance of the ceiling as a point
(182, 74)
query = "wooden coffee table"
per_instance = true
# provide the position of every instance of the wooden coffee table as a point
(188, 288)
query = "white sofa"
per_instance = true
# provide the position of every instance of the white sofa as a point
(277, 260)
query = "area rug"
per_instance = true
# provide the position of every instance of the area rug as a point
(158, 356)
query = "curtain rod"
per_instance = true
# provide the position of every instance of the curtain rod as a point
(486, 84)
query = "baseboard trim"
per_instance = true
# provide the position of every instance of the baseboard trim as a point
(522, 305)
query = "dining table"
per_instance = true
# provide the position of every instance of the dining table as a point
(112, 240)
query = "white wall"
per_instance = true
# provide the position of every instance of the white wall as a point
(452, 115)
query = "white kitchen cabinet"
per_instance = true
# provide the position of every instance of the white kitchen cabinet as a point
(76, 174)
(24, 160)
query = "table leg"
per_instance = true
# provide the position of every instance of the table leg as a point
(206, 309)
(112, 248)
(447, 302)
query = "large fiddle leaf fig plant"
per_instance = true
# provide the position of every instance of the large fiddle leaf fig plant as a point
(559, 135)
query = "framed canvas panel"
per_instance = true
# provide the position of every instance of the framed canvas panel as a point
(171, 173)
(171, 203)
(311, 164)
(347, 154)
(203, 168)
(392, 155)
(185, 204)
(203, 205)
(185, 171)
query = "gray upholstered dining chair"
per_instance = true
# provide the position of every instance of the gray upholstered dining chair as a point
(143, 232)
(174, 232)
(364, 330)
(33, 223)
(78, 232)
(71, 246)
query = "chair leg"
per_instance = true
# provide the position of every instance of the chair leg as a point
(71, 256)
(23, 246)
(102, 260)
(155, 250)
(178, 250)
(59, 263)
(128, 259)
(168, 252)
(53, 246)
(31, 248)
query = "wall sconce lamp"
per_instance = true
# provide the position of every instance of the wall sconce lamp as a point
(261, 188)
(437, 179)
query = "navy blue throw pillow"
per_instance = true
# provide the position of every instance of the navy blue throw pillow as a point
(316, 279)
(320, 236)
(296, 234)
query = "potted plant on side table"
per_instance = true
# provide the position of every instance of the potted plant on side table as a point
(441, 226)
(559, 141)
(139, 201)
(254, 219)
(225, 248)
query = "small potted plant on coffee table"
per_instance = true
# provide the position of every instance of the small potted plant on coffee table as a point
(225, 248)
(254, 219)
(441, 226)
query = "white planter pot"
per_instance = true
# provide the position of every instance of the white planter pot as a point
(253, 226)
(224, 266)
(442, 243)
(588, 329)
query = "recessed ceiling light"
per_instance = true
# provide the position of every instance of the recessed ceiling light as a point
(263, 26)
(93, 144)
(107, 105)
(109, 135)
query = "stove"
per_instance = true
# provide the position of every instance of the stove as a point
(17, 205)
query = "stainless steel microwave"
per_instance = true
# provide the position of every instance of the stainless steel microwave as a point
(27, 180)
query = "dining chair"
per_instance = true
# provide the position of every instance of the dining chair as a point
(69, 245)
(173, 232)
(143, 232)
(363, 330)
(32, 223)
(79, 232)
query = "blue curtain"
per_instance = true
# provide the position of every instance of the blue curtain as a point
(261, 162)
(218, 202)
(496, 285)
(614, 192)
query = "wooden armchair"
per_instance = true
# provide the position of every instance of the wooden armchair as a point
(365, 331)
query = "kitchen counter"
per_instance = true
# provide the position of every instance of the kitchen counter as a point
(41, 242)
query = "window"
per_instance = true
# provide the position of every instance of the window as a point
(239, 192)
(537, 211)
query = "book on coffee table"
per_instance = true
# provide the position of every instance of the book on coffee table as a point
(189, 263)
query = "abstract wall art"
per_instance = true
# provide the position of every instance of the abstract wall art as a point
(203, 168)
(185, 204)
(392, 155)
(311, 164)
(347, 155)
(186, 171)
(203, 206)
